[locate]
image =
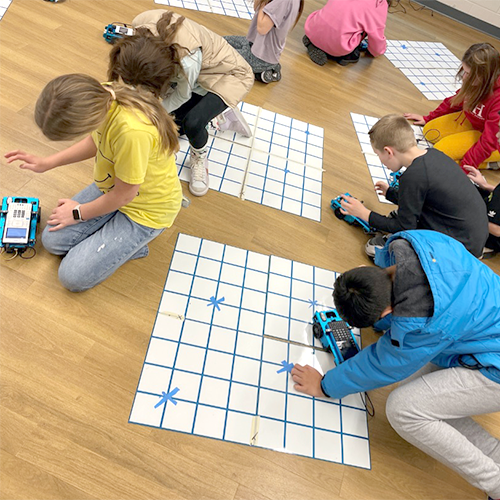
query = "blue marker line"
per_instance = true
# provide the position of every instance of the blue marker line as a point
(313, 303)
(167, 397)
(287, 367)
(215, 302)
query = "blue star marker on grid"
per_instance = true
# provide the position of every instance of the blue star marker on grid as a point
(286, 170)
(313, 303)
(287, 367)
(215, 302)
(165, 398)
(403, 46)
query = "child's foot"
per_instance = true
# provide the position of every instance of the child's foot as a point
(315, 54)
(353, 57)
(373, 243)
(270, 75)
(198, 183)
(488, 253)
(232, 119)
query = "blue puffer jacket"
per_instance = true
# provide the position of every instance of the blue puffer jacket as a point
(466, 321)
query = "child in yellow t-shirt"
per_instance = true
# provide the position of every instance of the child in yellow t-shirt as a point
(136, 192)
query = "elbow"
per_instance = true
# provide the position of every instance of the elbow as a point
(263, 30)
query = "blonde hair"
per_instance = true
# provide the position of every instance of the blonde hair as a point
(74, 105)
(394, 131)
(484, 63)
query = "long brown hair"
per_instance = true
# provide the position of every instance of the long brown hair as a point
(147, 60)
(258, 4)
(74, 105)
(484, 63)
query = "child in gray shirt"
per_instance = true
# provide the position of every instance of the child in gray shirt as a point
(266, 38)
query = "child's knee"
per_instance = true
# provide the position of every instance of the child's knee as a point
(398, 409)
(73, 277)
(51, 241)
(192, 124)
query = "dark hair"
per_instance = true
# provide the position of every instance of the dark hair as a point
(147, 60)
(362, 294)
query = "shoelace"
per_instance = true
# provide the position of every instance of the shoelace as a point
(198, 167)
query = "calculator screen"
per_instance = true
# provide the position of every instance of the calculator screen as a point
(16, 232)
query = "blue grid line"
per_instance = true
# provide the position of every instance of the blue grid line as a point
(288, 353)
(314, 405)
(182, 329)
(149, 343)
(287, 173)
(313, 427)
(235, 347)
(262, 347)
(334, 402)
(314, 282)
(206, 350)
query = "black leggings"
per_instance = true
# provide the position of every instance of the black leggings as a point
(194, 115)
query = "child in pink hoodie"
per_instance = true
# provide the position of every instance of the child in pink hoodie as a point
(338, 29)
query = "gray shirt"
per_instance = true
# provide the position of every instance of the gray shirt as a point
(269, 47)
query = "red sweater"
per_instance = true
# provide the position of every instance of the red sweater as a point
(484, 118)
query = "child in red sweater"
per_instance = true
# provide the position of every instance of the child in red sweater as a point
(465, 125)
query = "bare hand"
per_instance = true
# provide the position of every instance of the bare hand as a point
(62, 215)
(476, 176)
(31, 162)
(307, 380)
(381, 187)
(417, 119)
(352, 206)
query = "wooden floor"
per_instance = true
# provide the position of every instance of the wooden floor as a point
(70, 362)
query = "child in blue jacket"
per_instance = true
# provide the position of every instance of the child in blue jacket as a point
(443, 342)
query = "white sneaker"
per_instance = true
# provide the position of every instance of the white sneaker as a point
(198, 184)
(233, 120)
(493, 165)
(373, 243)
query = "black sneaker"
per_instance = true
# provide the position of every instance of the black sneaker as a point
(353, 57)
(315, 54)
(271, 75)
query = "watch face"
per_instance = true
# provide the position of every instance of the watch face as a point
(76, 214)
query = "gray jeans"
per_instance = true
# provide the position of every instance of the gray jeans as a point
(432, 410)
(242, 45)
(93, 250)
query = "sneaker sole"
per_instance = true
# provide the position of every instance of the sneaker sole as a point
(243, 122)
(200, 193)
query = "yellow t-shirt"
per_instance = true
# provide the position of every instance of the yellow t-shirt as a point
(128, 148)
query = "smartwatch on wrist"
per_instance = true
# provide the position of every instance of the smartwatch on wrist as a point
(77, 214)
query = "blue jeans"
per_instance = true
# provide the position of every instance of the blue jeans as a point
(93, 250)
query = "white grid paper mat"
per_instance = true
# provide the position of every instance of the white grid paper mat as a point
(212, 370)
(4, 5)
(430, 66)
(378, 172)
(280, 166)
(232, 8)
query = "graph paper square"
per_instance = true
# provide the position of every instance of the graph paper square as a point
(280, 166)
(430, 66)
(232, 384)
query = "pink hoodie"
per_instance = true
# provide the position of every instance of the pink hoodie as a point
(340, 26)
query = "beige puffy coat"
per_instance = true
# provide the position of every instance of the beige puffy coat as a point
(223, 71)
